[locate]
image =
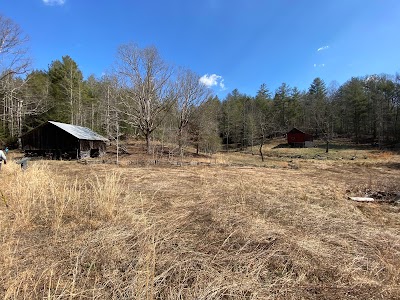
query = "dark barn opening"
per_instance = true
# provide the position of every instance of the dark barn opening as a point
(59, 140)
(94, 152)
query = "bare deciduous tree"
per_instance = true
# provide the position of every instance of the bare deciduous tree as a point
(191, 93)
(12, 104)
(265, 122)
(13, 50)
(108, 95)
(13, 61)
(148, 92)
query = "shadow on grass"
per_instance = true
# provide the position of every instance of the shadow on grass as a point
(281, 146)
(392, 165)
(335, 146)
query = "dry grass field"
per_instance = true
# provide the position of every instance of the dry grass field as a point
(222, 227)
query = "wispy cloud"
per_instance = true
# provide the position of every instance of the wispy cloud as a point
(54, 2)
(222, 84)
(319, 65)
(212, 80)
(322, 48)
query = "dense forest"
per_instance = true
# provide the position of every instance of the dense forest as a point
(147, 98)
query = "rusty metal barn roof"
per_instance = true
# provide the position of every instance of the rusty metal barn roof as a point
(82, 133)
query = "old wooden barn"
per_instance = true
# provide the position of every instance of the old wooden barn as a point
(63, 140)
(298, 138)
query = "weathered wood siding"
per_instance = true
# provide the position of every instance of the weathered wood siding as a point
(49, 138)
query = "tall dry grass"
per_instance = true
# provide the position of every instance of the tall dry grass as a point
(70, 238)
(75, 231)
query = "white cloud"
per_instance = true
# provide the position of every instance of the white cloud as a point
(222, 84)
(212, 80)
(54, 2)
(319, 65)
(322, 48)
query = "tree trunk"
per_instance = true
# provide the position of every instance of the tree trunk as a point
(71, 97)
(148, 133)
(261, 146)
(180, 141)
(11, 102)
(117, 125)
(108, 113)
(252, 143)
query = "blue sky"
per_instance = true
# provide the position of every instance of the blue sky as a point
(232, 43)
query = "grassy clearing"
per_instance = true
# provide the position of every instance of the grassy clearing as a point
(237, 229)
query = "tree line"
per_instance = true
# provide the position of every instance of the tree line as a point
(148, 98)
(366, 109)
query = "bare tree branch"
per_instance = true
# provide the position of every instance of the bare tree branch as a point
(149, 92)
(13, 52)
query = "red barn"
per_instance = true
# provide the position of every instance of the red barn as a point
(298, 138)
